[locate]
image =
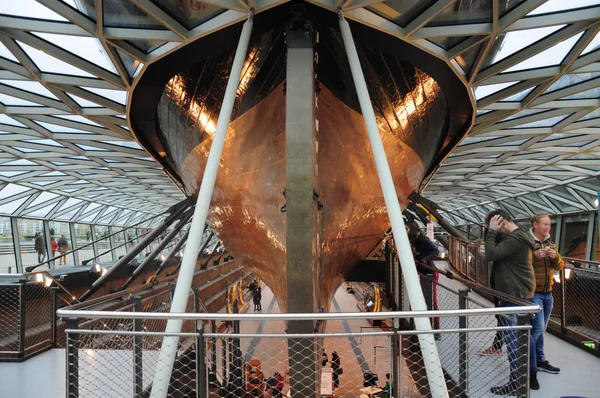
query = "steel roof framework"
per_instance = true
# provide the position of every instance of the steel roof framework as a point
(65, 141)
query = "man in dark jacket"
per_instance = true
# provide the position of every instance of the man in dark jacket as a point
(512, 257)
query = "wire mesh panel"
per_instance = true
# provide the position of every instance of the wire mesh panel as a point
(39, 314)
(9, 318)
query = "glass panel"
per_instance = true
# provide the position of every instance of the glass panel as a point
(125, 14)
(466, 59)
(103, 246)
(561, 5)
(83, 236)
(596, 240)
(574, 236)
(33, 243)
(119, 240)
(552, 56)
(60, 242)
(146, 46)
(464, 13)
(189, 13)
(87, 7)
(28, 9)
(130, 63)
(48, 63)
(7, 248)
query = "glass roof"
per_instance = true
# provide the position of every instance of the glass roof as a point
(64, 91)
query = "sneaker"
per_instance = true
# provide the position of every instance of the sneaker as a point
(509, 389)
(491, 352)
(533, 381)
(546, 367)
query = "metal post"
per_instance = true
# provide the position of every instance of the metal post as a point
(138, 382)
(72, 351)
(429, 350)
(172, 253)
(395, 393)
(54, 319)
(14, 227)
(200, 364)
(213, 354)
(429, 281)
(463, 348)
(523, 356)
(166, 359)
(22, 304)
(74, 244)
(563, 302)
(224, 359)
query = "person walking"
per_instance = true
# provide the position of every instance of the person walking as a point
(546, 260)
(324, 358)
(40, 247)
(512, 257)
(336, 368)
(63, 248)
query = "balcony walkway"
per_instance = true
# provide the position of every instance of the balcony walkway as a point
(44, 375)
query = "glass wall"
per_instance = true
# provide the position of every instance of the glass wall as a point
(83, 237)
(8, 261)
(103, 250)
(118, 241)
(596, 239)
(574, 236)
(32, 242)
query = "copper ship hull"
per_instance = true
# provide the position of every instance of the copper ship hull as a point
(416, 126)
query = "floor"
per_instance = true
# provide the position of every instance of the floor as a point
(44, 375)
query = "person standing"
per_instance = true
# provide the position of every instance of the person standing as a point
(40, 247)
(324, 358)
(336, 368)
(514, 275)
(546, 260)
(425, 251)
(256, 300)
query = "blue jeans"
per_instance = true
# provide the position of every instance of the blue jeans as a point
(540, 322)
(510, 339)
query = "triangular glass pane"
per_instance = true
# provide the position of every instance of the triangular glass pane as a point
(5, 53)
(90, 217)
(551, 6)
(591, 115)
(9, 174)
(86, 7)
(484, 91)
(518, 40)
(31, 86)
(594, 44)
(118, 96)
(466, 59)
(45, 142)
(525, 112)
(55, 128)
(9, 208)
(14, 101)
(43, 211)
(588, 94)
(518, 96)
(447, 42)
(125, 14)
(83, 102)
(9, 120)
(571, 80)
(28, 9)
(87, 48)
(79, 119)
(48, 63)
(543, 123)
(552, 56)
(146, 46)
(44, 197)
(189, 13)
(130, 63)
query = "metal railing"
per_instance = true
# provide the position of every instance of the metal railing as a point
(576, 293)
(120, 358)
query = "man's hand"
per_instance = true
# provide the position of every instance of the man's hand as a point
(540, 253)
(550, 252)
(496, 223)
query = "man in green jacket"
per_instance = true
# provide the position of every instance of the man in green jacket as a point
(514, 275)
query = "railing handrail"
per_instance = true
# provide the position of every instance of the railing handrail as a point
(578, 260)
(65, 313)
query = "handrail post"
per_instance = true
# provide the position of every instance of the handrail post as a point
(429, 281)
(72, 352)
(166, 359)
(523, 359)
(138, 383)
(463, 348)
(200, 363)
(563, 302)
(395, 393)
(22, 305)
(54, 319)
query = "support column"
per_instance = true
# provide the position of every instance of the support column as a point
(300, 234)
(412, 285)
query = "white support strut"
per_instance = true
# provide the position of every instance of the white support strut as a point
(164, 368)
(429, 350)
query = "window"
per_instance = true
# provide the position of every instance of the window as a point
(60, 242)
(33, 243)
(574, 236)
(8, 262)
(83, 236)
(103, 249)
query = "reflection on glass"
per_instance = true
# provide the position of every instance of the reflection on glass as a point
(34, 249)
(103, 249)
(125, 14)
(596, 240)
(60, 243)
(83, 236)
(574, 236)
(189, 12)
(7, 248)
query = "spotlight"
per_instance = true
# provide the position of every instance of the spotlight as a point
(557, 278)
(567, 273)
(48, 282)
(39, 277)
(162, 257)
(96, 268)
(180, 254)
(104, 271)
